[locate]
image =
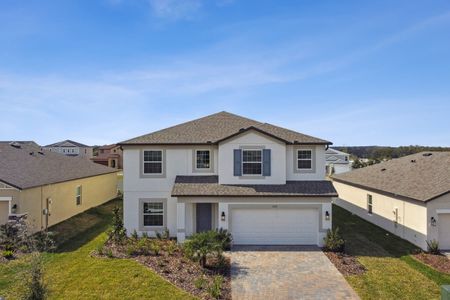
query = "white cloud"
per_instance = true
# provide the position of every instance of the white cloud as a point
(175, 9)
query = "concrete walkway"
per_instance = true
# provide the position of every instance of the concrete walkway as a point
(285, 272)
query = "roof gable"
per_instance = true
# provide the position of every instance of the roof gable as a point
(217, 127)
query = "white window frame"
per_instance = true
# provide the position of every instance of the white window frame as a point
(304, 159)
(369, 204)
(162, 213)
(143, 162)
(195, 163)
(78, 194)
(260, 162)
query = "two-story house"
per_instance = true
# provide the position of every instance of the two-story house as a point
(263, 183)
(70, 148)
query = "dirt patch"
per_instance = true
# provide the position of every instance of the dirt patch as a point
(346, 264)
(177, 269)
(437, 262)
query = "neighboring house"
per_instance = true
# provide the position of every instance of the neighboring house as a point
(408, 196)
(263, 183)
(71, 148)
(109, 155)
(337, 161)
(49, 188)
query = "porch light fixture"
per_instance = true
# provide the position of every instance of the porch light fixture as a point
(222, 216)
(433, 221)
(327, 216)
(14, 209)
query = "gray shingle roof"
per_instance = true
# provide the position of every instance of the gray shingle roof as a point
(218, 127)
(67, 143)
(420, 176)
(30, 166)
(201, 186)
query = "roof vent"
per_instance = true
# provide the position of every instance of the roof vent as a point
(242, 129)
(295, 142)
(208, 142)
(32, 153)
(384, 169)
(413, 160)
(427, 154)
(41, 153)
(16, 145)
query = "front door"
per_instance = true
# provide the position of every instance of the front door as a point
(204, 218)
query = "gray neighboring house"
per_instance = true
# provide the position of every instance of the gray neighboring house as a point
(337, 162)
(71, 148)
(408, 196)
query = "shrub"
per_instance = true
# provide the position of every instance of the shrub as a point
(34, 284)
(143, 247)
(8, 254)
(333, 241)
(145, 235)
(224, 238)
(202, 244)
(109, 253)
(165, 235)
(200, 282)
(118, 232)
(134, 235)
(433, 247)
(155, 248)
(171, 248)
(100, 249)
(215, 289)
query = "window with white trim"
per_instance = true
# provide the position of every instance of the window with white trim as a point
(153, 162)
(78, 195)
(203, 159)
(304, 159)
(369, 204)
(153, 213)
(251, 162)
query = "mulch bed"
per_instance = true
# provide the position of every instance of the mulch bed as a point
(346, 264)
(438, 262)
(179, 270)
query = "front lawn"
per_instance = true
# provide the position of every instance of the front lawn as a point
(71, 273)
(392, 273)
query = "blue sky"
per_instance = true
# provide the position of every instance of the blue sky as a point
(353, 72)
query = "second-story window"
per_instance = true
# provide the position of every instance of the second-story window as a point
(203, 158)
(304, 159)
(251, 162)
(153, 162)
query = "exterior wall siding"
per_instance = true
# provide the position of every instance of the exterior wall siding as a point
(443, 204)
(411, 219)
(319, 170)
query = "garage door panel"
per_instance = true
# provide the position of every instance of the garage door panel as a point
(444, 231)
(274, 226)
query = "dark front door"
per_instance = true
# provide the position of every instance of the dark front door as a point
(204, 218)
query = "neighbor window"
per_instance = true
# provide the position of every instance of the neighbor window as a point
(251, 162)
(203, 158)
(78, 192)
(153, 213)
(153, 163)
(304, 159)
(369, 204)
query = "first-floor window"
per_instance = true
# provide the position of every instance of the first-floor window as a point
(153, 213)
(252, 162)
(153, 162)
(369, 204)
(78, 192)
(304, 159)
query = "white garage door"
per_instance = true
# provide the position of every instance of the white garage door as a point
(444, 231)
(274, 226)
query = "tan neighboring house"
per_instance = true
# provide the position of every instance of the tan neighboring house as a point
(109, 155)
(48, 187)
(408, 196)
(71, 148)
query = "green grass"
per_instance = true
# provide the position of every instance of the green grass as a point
(391, 272)
(71, 273)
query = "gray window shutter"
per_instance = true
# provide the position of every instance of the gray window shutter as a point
(266, 162)
(237, 162)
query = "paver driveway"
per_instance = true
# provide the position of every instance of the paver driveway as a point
(285, 272)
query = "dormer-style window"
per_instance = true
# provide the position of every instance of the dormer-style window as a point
(153, 162)
(252, 162)
(304, 159)
(203, 159)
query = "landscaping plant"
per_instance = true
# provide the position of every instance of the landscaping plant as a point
(225, 239)
(433, 247)
(201, 245)
(333, 241)
(215, 289)
(118, 232)
(35, 288)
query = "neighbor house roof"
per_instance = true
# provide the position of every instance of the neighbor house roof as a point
(218, 127)
(24, 166)
(203, 186)
(422, 176)
(67, 143)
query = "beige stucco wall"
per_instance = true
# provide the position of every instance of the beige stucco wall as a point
(443, 204)
(95, 191)
(412, 215)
